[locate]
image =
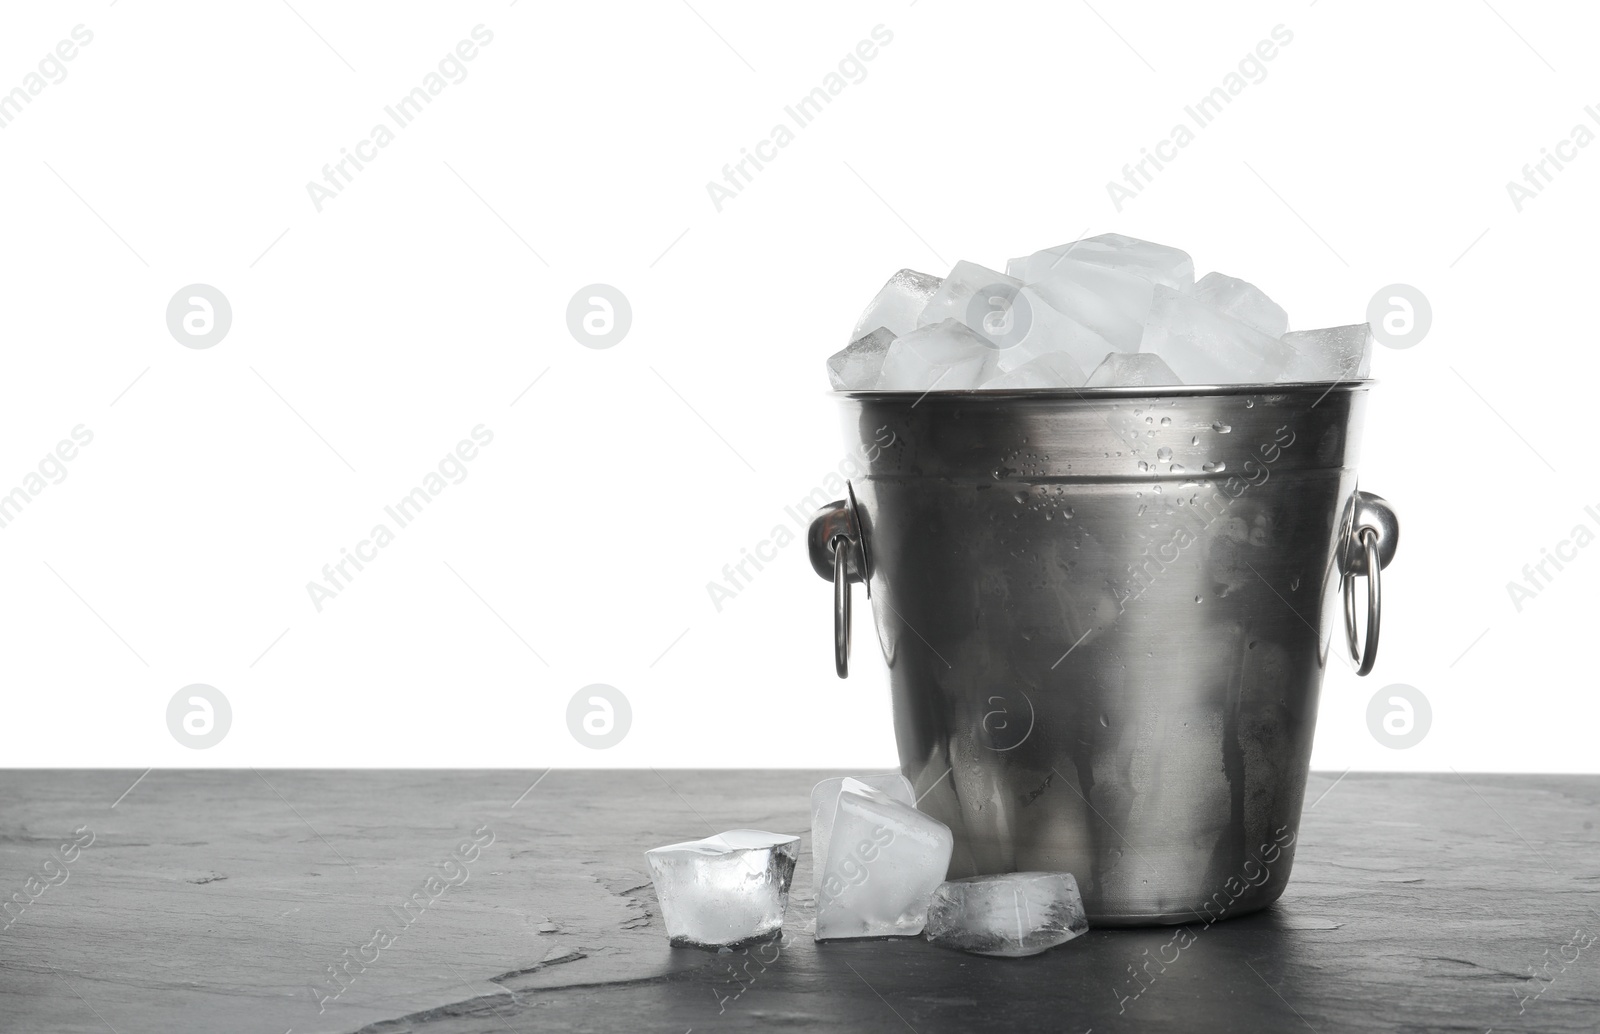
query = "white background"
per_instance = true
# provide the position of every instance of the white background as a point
(426, 297)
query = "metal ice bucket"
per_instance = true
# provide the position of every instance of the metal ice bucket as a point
(1106, 615)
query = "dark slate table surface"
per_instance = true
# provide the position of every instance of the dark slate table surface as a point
(244, 900)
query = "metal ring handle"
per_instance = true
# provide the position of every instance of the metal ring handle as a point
(841, 605)
(1366, 656)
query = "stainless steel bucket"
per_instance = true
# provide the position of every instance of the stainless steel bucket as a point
(1106, 614)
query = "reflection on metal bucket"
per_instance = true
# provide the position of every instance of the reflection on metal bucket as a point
(1106, 615)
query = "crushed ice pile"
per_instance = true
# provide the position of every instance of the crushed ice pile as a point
(1107, 311)
(879, 869)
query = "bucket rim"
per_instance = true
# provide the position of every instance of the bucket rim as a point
(1119, 392)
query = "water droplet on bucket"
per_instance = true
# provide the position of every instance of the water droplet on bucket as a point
(1166, 421)
(1177, 468)
(1221, 428)
(1103, 723)
(1199, 599)
(1163, 454)
(1022, 497)
(1214, 468)
(1294, 586)
(1249, 403)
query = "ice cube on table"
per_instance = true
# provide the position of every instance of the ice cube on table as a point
(1051, 370)
(1112, 303)
(1329, 354)
(1013, 914)
(1244, 302)
(724, 890)
(898, 304)
(1156, 263)
(856, 367)
(884, 860)
(946, 356)
(1131, 369)
(1203, 346)
(825, 804)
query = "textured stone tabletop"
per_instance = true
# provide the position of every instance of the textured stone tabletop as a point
(449, 901)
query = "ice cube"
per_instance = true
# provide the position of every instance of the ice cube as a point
(897, 305)
(1329, 354)
(1051, 370)
(724, 890)
(1131, 369)
(1112, 303)
(884, 860)
(1013, 914)
(1156, 263)
(825, 803)
(947, 356)
(1202, 346)
(1244, 302)
(856, 367)
(1039, 329)
(975, 295)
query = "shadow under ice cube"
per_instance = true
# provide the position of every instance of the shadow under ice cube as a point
(1012, 914)
(724, 890)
